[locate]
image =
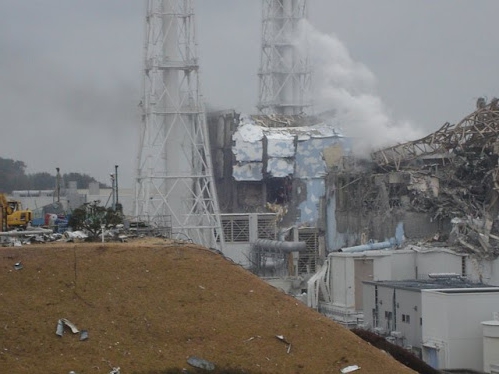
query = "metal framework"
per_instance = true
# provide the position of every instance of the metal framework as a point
(174, 171)
(284, 74)
(479, 130)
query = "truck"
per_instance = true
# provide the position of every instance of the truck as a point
(13, 216)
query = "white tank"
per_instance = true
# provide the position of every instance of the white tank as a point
(491, 343)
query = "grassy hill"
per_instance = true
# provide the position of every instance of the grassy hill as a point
(150, 305)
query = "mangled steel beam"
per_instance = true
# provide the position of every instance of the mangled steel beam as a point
(480, 129)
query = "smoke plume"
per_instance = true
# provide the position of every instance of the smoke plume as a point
(345, 91)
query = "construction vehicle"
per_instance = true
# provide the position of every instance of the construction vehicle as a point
(13, 216)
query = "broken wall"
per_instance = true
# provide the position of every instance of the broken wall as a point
(363, 206)
(221, 125)
(290, 163)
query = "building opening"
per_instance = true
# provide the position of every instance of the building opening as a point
(278, 190)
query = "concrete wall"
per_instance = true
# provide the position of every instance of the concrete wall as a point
(386, 310)
(342, 282)
(408, 306)
(420, 225)
(452, 324)
(369, 303)
(438, 262)
(483, 270)
(371, 206)
(403, 265)
(398, 310)
(240, 253)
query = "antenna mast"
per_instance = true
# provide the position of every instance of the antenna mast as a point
(174, 172)
(285, 76)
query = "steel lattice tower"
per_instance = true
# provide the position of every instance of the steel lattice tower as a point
(285, 76)
(174, 172)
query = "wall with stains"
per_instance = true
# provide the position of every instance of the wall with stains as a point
(302, 153)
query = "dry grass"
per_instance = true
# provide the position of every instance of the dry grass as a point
(148, 306)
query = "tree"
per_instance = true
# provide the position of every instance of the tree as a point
(90, 217)
(41, 181)
(12, 175)
(82, 180)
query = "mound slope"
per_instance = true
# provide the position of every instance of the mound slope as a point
(148, 306)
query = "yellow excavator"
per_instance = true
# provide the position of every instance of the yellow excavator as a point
(12, 215)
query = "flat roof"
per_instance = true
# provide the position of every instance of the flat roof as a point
(436, 284)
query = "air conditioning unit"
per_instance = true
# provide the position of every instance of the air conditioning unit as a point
(397, 334)
(380, 330)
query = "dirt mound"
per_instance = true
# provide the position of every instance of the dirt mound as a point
(148, 307)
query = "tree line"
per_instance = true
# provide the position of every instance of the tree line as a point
(13, 177)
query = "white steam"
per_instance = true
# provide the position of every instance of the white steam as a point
(346, 89)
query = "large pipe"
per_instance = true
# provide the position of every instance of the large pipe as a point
(369, 247)
(392, 242)
(281, 245)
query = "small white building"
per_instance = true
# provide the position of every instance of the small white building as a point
(452, 333)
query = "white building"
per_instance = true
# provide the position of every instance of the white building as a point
(452, 333)
(337, 289)
(438, 319)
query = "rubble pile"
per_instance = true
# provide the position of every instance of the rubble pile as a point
(451, 175)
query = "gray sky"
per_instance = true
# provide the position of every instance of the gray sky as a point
(70, 71)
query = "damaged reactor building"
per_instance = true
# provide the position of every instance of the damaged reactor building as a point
(301, 211)
(441, 188)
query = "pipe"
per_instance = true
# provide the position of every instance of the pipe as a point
(369, 247)
(392, 242)
(22, 233)
(281, 245)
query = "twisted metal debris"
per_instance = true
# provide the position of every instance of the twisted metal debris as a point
(478, 130)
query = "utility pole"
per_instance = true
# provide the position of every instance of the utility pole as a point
(113, 191)
(58, 185)
(284, 75)
(117, 206)
(174, 178)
